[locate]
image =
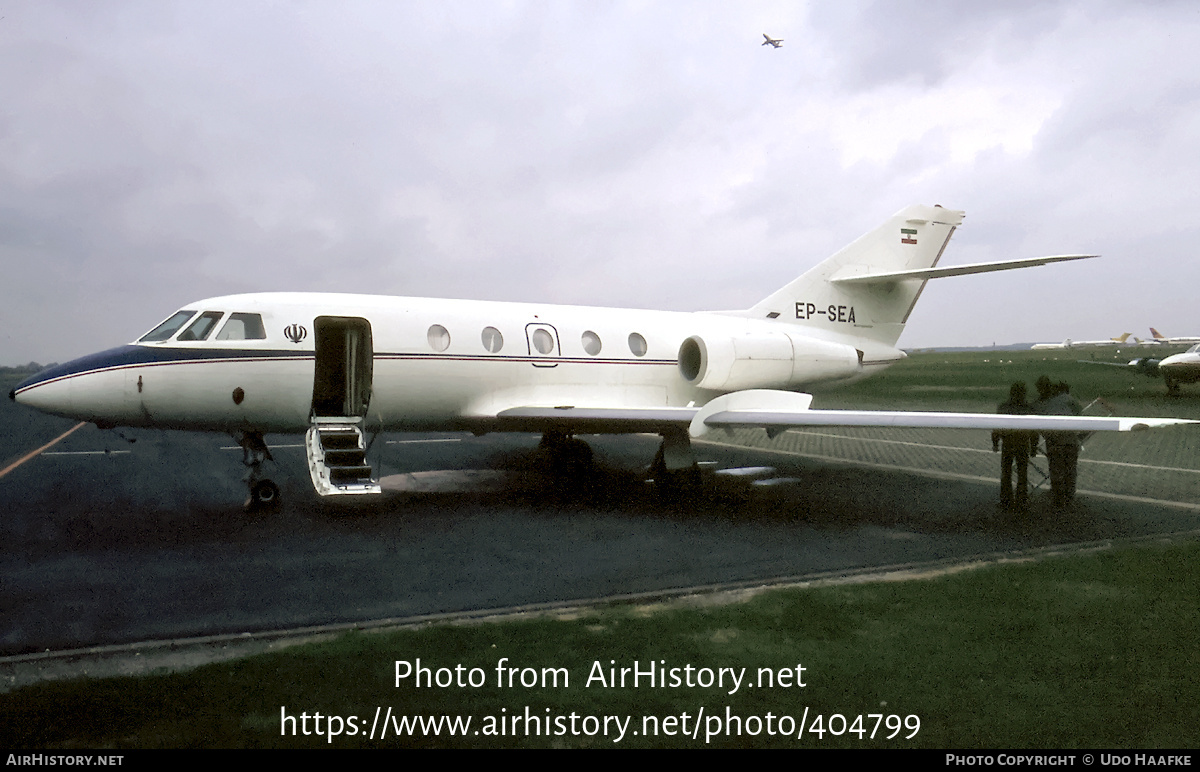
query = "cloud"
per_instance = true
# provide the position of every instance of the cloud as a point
(610, 153)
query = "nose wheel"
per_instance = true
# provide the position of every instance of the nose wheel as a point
(264, 493)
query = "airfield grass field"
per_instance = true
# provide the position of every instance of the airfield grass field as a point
(979, 380)
(1094, 650)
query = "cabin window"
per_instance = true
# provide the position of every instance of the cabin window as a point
(493, 341)
(637, 344)
(591, 343)
(543, 341)
(439, 338)
(200, 329)
(167, 328)
(243, 327)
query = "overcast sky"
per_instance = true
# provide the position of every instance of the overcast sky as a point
(634, 154)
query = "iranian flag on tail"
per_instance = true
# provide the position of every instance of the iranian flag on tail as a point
(908, 236)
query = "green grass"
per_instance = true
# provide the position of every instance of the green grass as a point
(1088, 651)
(979, 380)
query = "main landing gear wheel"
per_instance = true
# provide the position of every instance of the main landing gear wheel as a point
(674, 471)
(264, 495)
(566, 455)
(682, 486)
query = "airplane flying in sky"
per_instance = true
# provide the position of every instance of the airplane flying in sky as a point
(773, 42)
(1068, 343)
(333, 366)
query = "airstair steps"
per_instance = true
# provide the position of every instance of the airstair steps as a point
(337, 457)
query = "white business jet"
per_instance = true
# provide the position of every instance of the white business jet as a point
(1181, 368)
(335, 365)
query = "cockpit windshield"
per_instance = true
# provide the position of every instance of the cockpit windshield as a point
(1194, 349)
(167, 328)
(238, 326)
(200, 329)
(243, 327)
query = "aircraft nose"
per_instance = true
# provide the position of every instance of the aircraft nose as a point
(91, 388)
(45, 394)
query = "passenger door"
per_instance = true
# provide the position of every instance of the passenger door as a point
(343, 366)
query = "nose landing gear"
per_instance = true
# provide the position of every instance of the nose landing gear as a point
(264, 493)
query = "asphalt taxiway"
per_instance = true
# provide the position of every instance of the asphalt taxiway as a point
(109, 539)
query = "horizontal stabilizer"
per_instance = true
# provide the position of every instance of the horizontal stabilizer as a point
(959, 270)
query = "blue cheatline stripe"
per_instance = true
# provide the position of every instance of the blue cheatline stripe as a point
(130, 356)
(137, 356)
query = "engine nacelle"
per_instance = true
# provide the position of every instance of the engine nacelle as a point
(773, 360)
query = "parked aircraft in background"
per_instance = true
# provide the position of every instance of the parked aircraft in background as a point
(1068, 343)
(333, 366)
(1159, 338)
(1181, 368)
(1175, 369)
(773, 42)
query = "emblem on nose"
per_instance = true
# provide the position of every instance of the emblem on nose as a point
(295, 332)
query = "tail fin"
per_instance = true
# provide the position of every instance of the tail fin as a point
(826, 297)
(1157, 335)
(1122, 338)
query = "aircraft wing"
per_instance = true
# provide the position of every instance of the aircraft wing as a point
(958, 270)
(770, 409)
(783, 410)
(920, 420)
(597, 420)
